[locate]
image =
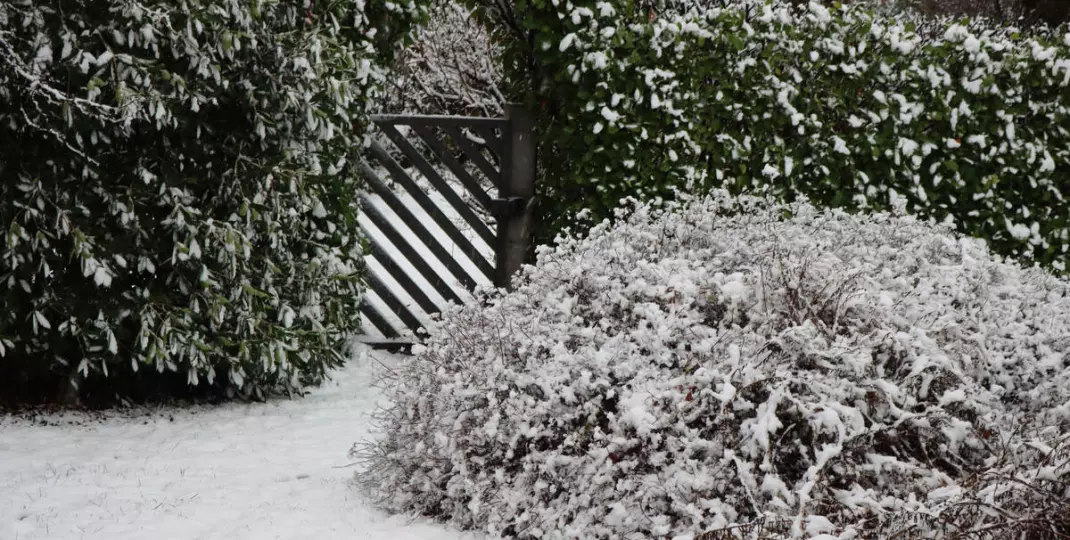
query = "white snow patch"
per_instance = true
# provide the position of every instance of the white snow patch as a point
(236, 471)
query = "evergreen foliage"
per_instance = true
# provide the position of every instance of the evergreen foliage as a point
(176, 200)
(955, 120)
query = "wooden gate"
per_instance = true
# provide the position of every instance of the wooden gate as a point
(423, 252)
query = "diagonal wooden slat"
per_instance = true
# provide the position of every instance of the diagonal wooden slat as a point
(502, 150)
(392, 346)
(440, 184)
(375, 283)
(403, 279)
(458, 170)
(414, 258)
(493, 143)
(473, 153)
(439, 121)
(378, 321)
(416, 226)
(402, 177)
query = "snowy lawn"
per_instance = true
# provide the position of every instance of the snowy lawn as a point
(255, 471)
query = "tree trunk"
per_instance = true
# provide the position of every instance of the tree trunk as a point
(70, 392)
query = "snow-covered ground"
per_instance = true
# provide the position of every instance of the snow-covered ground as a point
(237, 471)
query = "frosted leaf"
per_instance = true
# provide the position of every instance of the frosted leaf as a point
(1048, 163)
(566, 42)
(102, 277)
(1016, 230)
(908, 146)
(840, 146)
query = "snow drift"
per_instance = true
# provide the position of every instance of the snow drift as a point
(730, 360)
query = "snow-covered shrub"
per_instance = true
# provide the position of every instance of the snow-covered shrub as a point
(734, 360)
(851, 109)
(1052, 12)
(175, 193)
(452, 67)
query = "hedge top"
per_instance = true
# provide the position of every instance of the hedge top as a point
(959, 120)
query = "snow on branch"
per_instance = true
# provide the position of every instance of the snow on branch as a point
(453, 67)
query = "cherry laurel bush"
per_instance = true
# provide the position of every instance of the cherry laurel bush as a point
(726, 360)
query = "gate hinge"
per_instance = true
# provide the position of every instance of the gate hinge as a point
(508, 207)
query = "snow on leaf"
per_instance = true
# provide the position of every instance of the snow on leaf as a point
(41, 320)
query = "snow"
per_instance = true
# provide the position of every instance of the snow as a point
(1017, 230)
(237, 471)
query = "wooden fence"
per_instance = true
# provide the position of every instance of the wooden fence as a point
(498, 151)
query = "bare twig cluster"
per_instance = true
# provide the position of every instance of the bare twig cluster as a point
(453, 67)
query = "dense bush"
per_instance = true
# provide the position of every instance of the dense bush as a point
(733, 361)
(175, 198)
(965, 121)
(1052, 12)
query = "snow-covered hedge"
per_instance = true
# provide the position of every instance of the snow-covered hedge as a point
(851, 109)
(176, 196)
(735, 360)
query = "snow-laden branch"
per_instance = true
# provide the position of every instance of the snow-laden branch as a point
(34, 81)
(454, 67)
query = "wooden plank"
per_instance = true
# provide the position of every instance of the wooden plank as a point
(473, 153)
(518, 173)
(440, 184)
(494, 144)
(416, 226)
(421, 198)
(458, 170)
(378, 321)
(393, 302)
(404, 280)
(406, 249)
(507, 160)
(439, 120)
(391, 346)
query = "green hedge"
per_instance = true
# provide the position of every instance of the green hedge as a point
(176, 206)
(848, 108)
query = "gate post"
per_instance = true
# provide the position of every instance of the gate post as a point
(516, 195)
